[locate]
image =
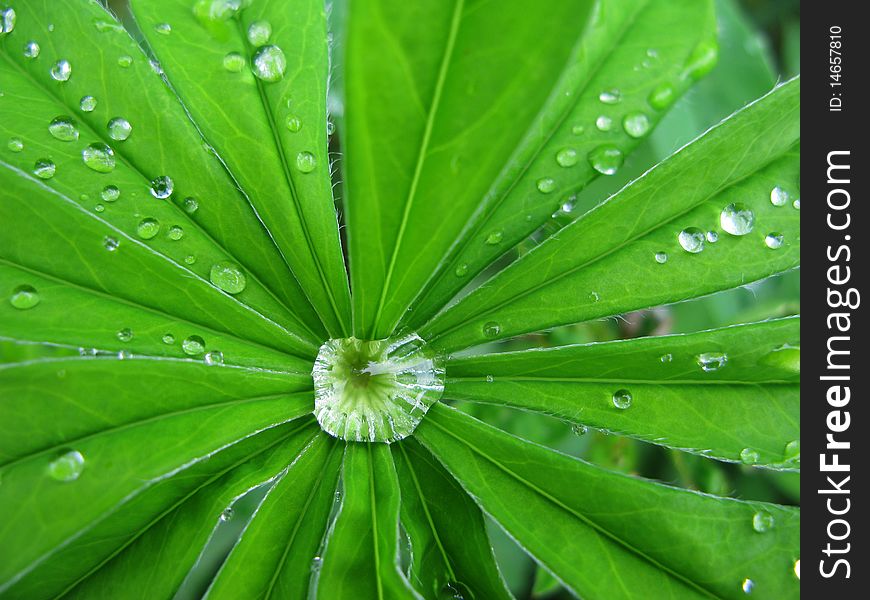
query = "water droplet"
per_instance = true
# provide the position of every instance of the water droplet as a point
(269, 63)
(99, 157)
(622, 399)
(762, 521)
(111, 244)
(104, 26)
(330, 127)
(190, 205)
(797, 568)
(491, 329)
(797, 204)
(636, 124)
(7, 20)
(604, 123)
(175, 233)
(489, 378)
(67, 466)
(148, 228)
(461, 270)
(110, 193)
(168, 338)
(119, 129)
(162, 187)
(294, 123)
(778, 196)
(567, 157)
(748, 456)
(88, 103)
(214, 357)
(737, 219)
(793, 451)
(610, 97)
(546, 185)
(259, 33)
(661, 257)
(124, 355)
(99, 208)
(61, 70)
(193, 345)
(125, 61)
(662, 96)
(316, 564)
(163, 28)
(747, 586)
(24, 297)
(692, 239)
(666, 358)
(702, 59)
(712, 237)
(578, 429)
(712, 361)
(305, 162)
(606, 159)
(578, 129)
(44, 168)
(228, 276)
(773, 240)
(234, 62)
(31, 49)
(189, 259)
(125, 335)
(227, 514)
(63, 129)
(494, 238)
(15, 144)
(216, 10)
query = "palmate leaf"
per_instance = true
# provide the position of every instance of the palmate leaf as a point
(168, 338)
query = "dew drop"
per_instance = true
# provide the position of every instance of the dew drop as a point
(666, 358)
(747, 586)
(124, 355)
(110, 193)
(7, 20)
(259, 33)
(99, 208)
(778, 196)
(797, 568)
(190, 205)
(125, 335)
(578, 429)
(67, 466)
(15, 144)
(578, 129)
(228, 276)
(148, 228)
(606, 159)
(163, 28)
(269, 63)
(214, 357)
(610, 97)
(175, 233)
(662, 96)
(636, 124)
(711, 361)
(692, 239)
(489, 378)
(61, 70)
(491, 329)
(193, 345)
(99, 157)
(168, 339)
(162, 187)
(773, 240)
(189, 259)
(88, 103)
(31, 49)
(316, 564)
(305, 162)
(661, 257)
(24, 297)
(712, 237)
(797, 204)
(226, 514)
(622, 399)
(461, 270)
(737, 219)
(125, 61)
(111, 244)
(762, 521)
(748, 456)
(546, 185)
(294, 123)
(793, 451)
(702, 59)
(234, 62)
(494, 238)
(567, 157)
(604, 123)
(44, 168)
(119, 129)
(63, 129)
(330, 128)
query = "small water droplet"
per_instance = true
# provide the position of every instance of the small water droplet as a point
(163, 28)
(578, 429)
(294, 123)
(110, 193)
(747, 586)
(305, 162)
(189, 259)
(234, 62)
(111, 244)
(99, 208)
(64, 129)
(193, 345)
(748, 456)
(702, 59)
(148, 228)
(661, 257)
(610, 97)
(773, 240)
(61, 70)
(88, 103)
(125, 61)
(124, 355)
(622, 399)
(67, 466)
(797, 568)
(604, 123)
(24, 297)
(762, 521)
(269, 63)
(737, 219)
(606, 159)
(214, 357)
(636, 124)
(494, 237)
(666, 358)
(227, 514)
(793, 451)
(119, 129)
(491, 329)
(168, 338)
(711, 361)
(779, 197)
(578, 129)
(797, 204)
(330, 127)
(259, 33)
(190, 205)
(162, 187)
(99, 157)
(7, 20)
(44, 168)
(316, 564)
(175, 233)
(567, 157)
(228, 276)
(461, 270)
(15, 144)
(125, 335)
(546, 185)
(31, 49)
(692, 239)
(662, 96)
(712, 237)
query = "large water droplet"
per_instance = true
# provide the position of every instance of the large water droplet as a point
(15, 144)
(64, 129)
(61, 70)
(44, 168)
(306, 162)
(7, 20)
(31, 49)
(606, 159)
(148, 228)
(491, 329)
(567, 157)
(662, 96)
(88, 103)
(119, 129)
(162, 187)
(778, 196)
(228, 276)
(711, 361)
(259, 33)
(748, 456)
(622, 399)
(67, 466)
(636, 124)
(99, 157)
(269, 63)
(24, 297)
(110, 193)
(125, 335)
(737, 219)
(773, 240)
(762, 521)
(193, 345)
(692, 239)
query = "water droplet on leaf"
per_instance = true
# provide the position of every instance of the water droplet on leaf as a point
(193, 345)
(148, 228)
(712, 361)
(269, 63)
(762, 521)
(662, 96)
(606, 159)
(228, 276)
(692, 239)
(546, 185)
(748, 456)
(88, 103)
(15, 144)
(162, 187)
(214, 357)
(737, 219)
(636, 124)
(604, 123)
(305, 162)
(259, 33)
(163, 28)
(234, 62)
(119, 129)
(661, 257)
(67, 466)
(44, 168)
(24, 297)
(610, 97)
(491, 329)
(61, 70)
(778, 196)
(110, 193)
(99, 157)
(567, 157)
(31, 49)
(773, 240)
(622, 399)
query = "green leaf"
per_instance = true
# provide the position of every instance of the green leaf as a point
(644, 55)
(601, 533)
(451, 554)
(581, 274)
(746, 409)
(270, 134)
(69, 217)
(277, 553)
(362, 547)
